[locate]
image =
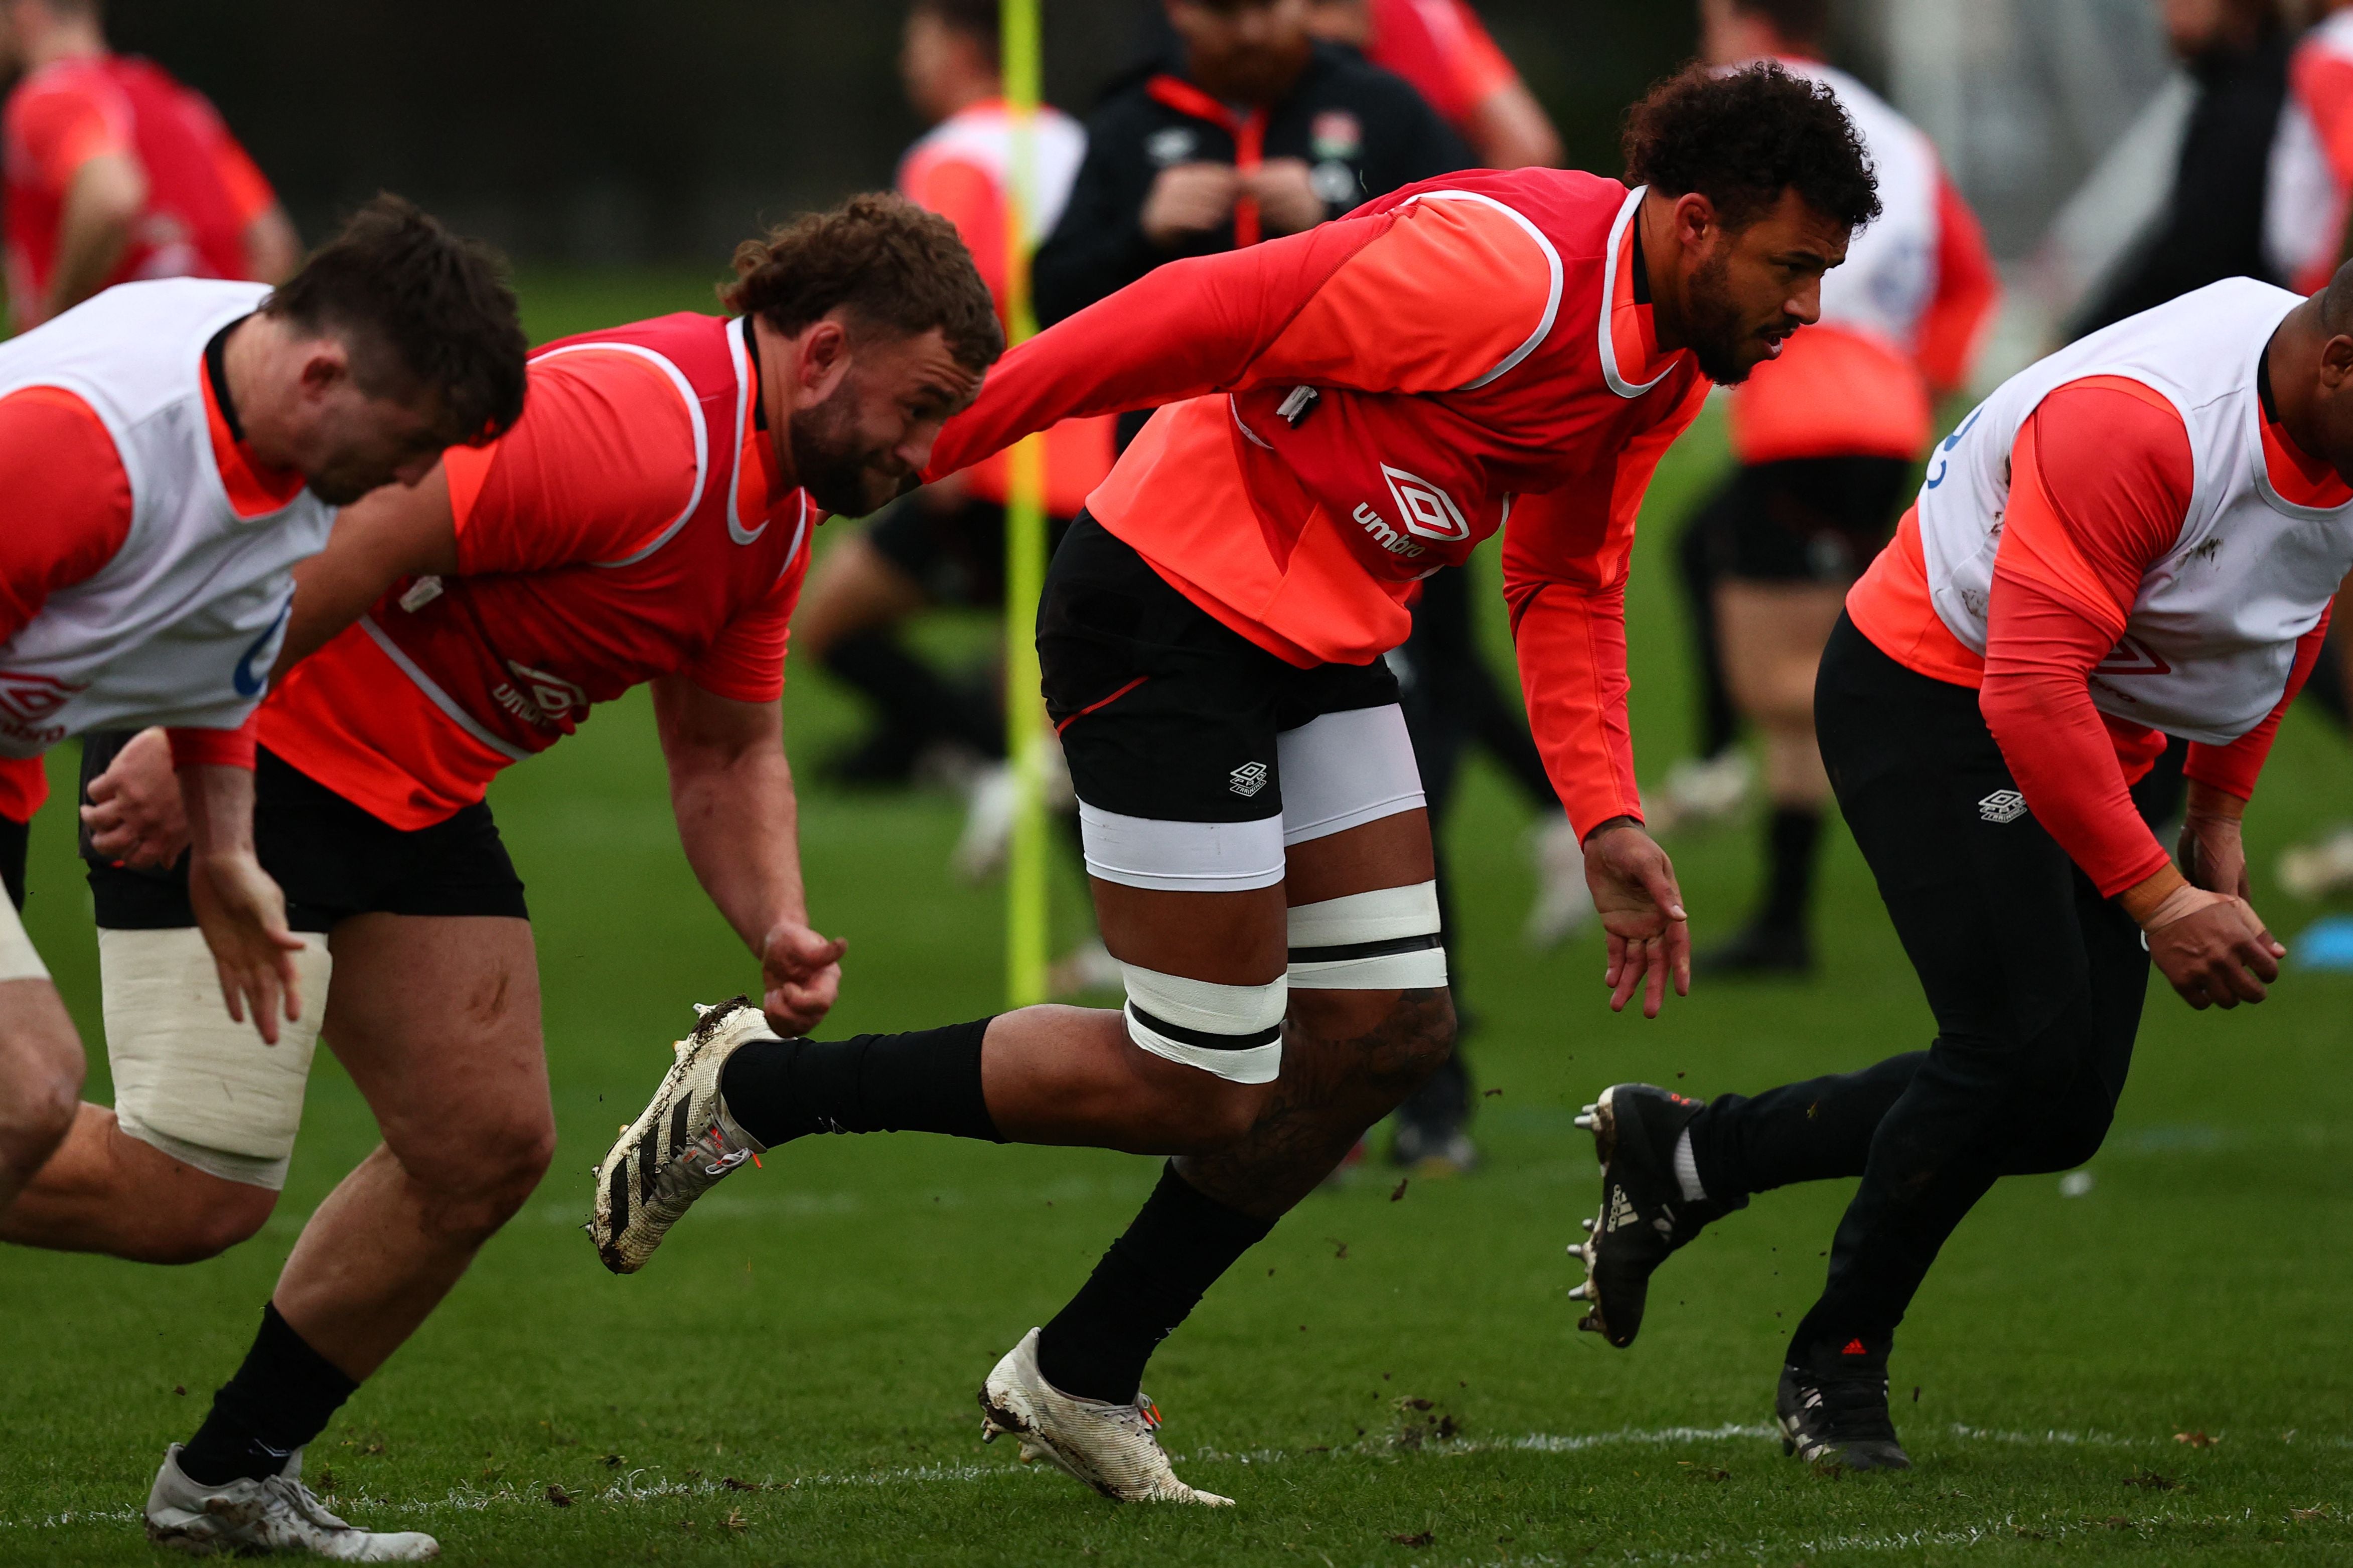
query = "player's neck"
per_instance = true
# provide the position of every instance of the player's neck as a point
(773, 361)
(249, 360)
(1655, 251)
(75, 38)
(957, 97)
(2291, 372)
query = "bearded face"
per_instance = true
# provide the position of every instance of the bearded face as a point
(847, 470)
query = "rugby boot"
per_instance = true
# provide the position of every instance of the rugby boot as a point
(1114, 1448)
(683, 1145)
(1644, 1215)
(246, 1518)
(1833, 1407)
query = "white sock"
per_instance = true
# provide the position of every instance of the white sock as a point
(1687, 1170)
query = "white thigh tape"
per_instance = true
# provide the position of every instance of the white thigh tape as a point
(1181, 856)
(1232, 1031)
(17, 959)
(1386, 939)
(1346, 769)
(187, 1076)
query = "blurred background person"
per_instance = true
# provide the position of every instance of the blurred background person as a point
(1249, 128)
(1826, 438)
(2308, 188)
(1444, 50)
(2212, 223)
(944, 545)
(110, 170)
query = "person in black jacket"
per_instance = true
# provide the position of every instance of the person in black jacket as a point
(1251, 130)
(2213, 228)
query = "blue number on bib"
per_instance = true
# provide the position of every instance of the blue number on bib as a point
(1948, 443)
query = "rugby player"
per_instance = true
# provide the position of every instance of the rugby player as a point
(1826, 439)
(1445, 51)
(169, 451)
(2138, 537)
(1344, 410)
(647, 519)
(110, 170)
(945, 543)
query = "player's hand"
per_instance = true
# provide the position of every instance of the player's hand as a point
(1285, 192)
(242, 913)
(802, 973)
(1188, 199)
(2212, 948)
(1641, 908)
(2210, 851)
(136, 816)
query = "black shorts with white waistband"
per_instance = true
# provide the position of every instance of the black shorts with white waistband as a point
(1163, 711)
(332, 858)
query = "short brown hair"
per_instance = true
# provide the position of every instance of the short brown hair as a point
(433, 304)
(882, 258)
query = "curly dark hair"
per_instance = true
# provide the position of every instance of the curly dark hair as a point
(1741, 137)
(422, 308)
(883, 258)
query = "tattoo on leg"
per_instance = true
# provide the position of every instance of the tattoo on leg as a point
(1332, 1090)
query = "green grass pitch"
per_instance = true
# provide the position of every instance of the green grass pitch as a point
(1389, 1379)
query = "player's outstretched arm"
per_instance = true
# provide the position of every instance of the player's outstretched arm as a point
(731, 789)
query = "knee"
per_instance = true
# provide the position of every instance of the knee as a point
(1218, 1114)
(1421, 1029)
(39, 1101)
(471, 1191)
(1392, 1041)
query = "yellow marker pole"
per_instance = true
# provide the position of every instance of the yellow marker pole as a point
(1026, 926)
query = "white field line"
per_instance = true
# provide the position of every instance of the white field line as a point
(643, 1487)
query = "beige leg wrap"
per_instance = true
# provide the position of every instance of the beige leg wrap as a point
(17, 959)
(190, 1081)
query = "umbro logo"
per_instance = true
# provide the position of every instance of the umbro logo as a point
(1427, 511)
(33, 697)
(1249, 779)
(2002, 806)
(1621, 1211)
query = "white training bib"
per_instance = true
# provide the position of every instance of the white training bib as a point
(1889, 278)
(182, 625)
(2211, 636)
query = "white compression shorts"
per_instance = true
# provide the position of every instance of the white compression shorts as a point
(1337, 772)
(191, 1082)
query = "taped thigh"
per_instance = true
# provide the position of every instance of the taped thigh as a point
(1343, 770)
(1232, 1031)
(1181, 856)
(189, 1079)
(1386, 939)
(18, 961)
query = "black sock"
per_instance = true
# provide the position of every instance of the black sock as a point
(1790, 837)
(282, 1396)
(927, 1081)
(1145, 1286)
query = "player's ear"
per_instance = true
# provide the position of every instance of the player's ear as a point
(2337, 364)
(824, 348)
(326, 365)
